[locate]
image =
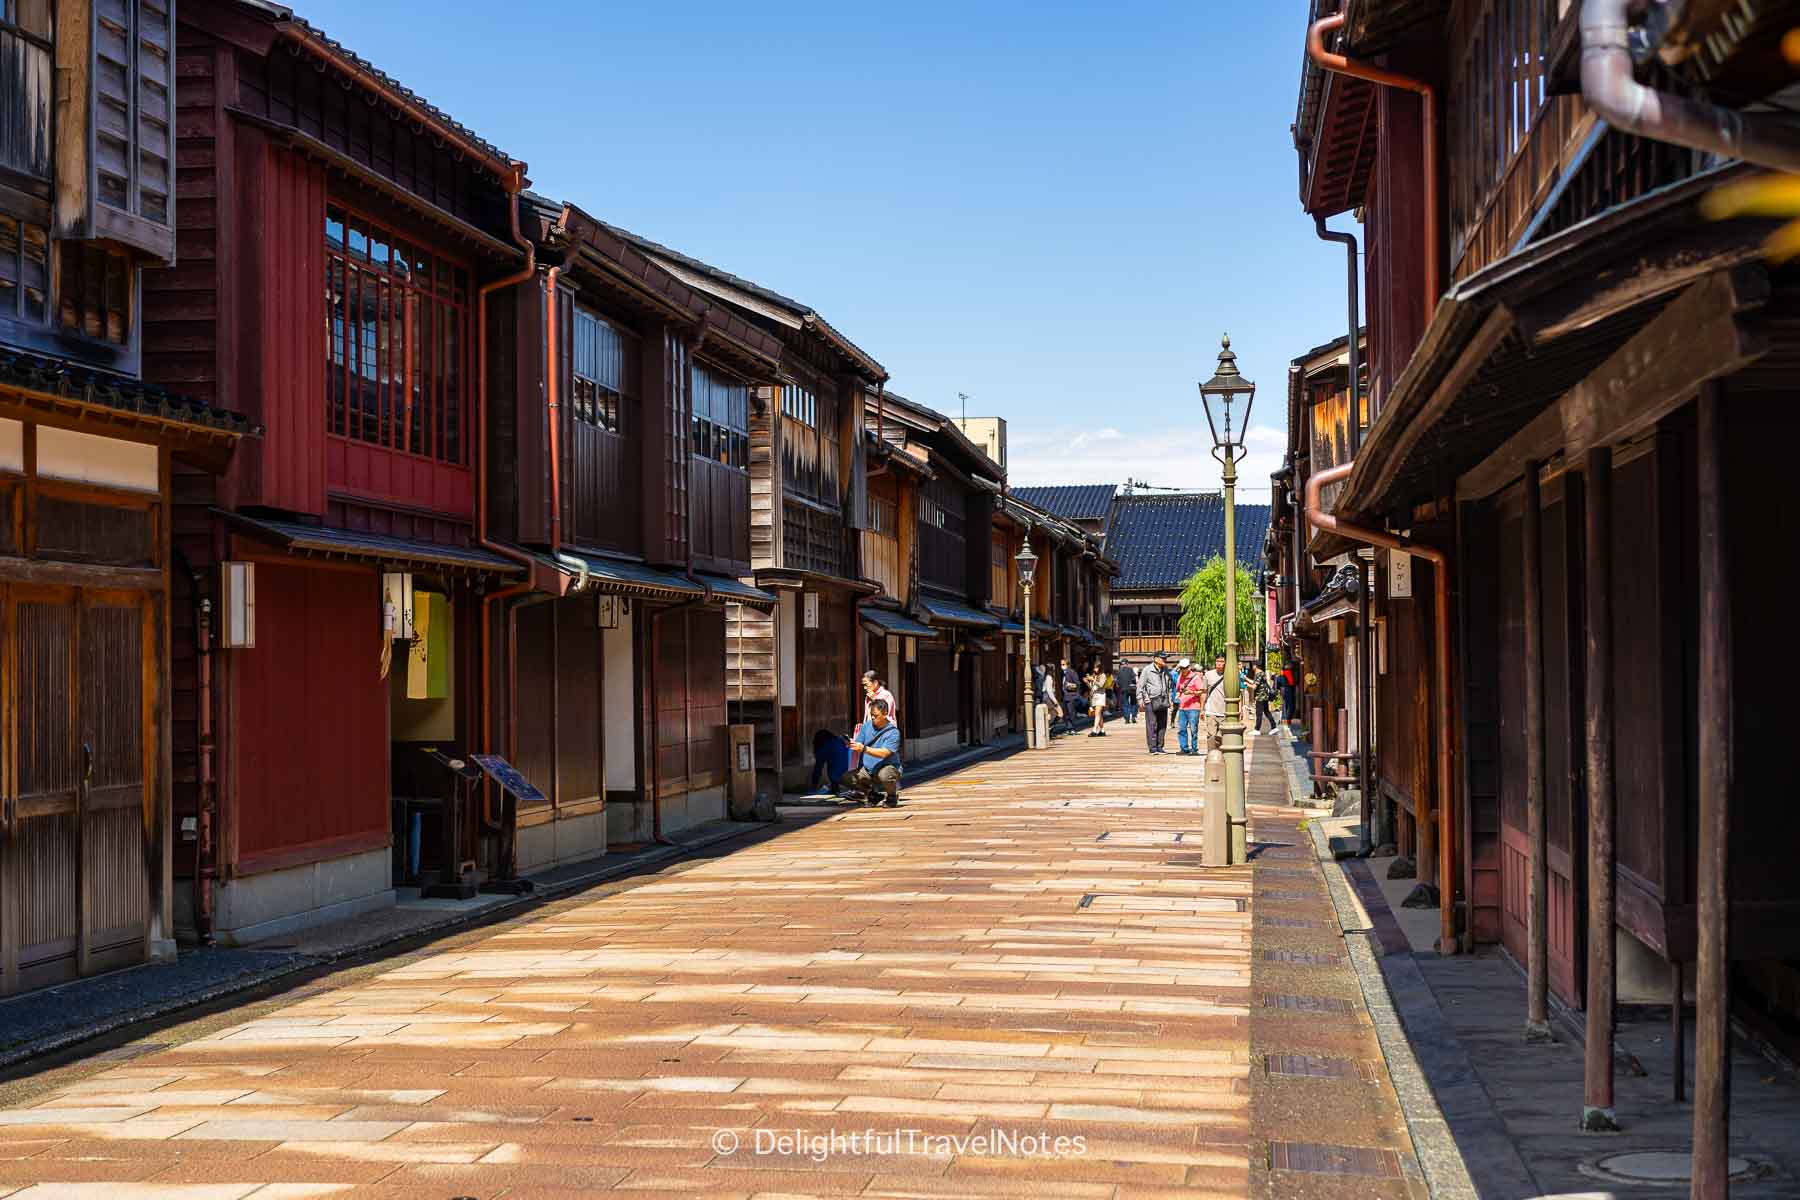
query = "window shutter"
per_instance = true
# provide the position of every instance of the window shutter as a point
(132, 96)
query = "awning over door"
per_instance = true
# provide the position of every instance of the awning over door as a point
(949, 613)
(884, 620)
(326, 542)
(735, 591)
(622, 577)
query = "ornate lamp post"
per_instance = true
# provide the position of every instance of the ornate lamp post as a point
(1226, 387)
(1027, 573)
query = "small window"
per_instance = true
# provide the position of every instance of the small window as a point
(93, 293)
(721, 418)
(603, 355)
(24, 270)
(77, 531)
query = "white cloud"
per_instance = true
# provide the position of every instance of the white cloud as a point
(1179, 458)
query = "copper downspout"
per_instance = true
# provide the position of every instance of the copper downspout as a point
(515, 183)
(1340, 65)
(1325, 522)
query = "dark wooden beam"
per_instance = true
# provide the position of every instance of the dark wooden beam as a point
(1705, 334)
(1712, 983)
(1537, 996)
(1635, 279)
(1486, 340)
(1597, 1094)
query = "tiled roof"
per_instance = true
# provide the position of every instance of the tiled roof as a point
(1072, 502)
(282, 12)
(1158, 541)
(67, 381)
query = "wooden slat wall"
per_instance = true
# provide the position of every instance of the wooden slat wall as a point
(749, 653)
(311, 712)
(706, 696)
(579, 736)
(1484, 632)
(184, 327)
(826, 663)
(765, 482)
(533, 743)
(285, 375)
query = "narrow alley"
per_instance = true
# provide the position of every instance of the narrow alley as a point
(1019, 981)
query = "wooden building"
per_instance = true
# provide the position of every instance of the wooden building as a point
(793, 668)
(88, 454)
(1575, 380)
(1158, 541)
(619, 411)
(1071, 598)
(338, 236)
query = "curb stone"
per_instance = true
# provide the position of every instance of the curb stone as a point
(1432, 1074)
(250, 980)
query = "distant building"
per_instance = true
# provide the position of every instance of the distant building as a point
(988, 433)
(1088, 505)
(1159, 541)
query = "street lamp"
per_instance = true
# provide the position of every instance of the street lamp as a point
(1027, 572)
(1226, 387)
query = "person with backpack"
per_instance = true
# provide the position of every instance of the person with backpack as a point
(1126, 678)
(1213, 706)
(1153, 699)
(1261, 693)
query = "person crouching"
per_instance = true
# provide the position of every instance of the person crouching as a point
(875, 757)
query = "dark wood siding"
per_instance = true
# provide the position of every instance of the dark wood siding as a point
(943, 520)
(706, 696)
(1485, 713)
(534, 684)
(721, 517)
(826, 665)
(937, 695)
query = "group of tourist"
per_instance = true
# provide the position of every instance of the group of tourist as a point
(1196, 697)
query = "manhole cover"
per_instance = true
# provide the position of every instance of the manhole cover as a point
(1660, 1166)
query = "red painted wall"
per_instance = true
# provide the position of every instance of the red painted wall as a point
(284, 231)
(311, 713)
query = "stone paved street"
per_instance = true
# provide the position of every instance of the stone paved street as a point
(1024, 951)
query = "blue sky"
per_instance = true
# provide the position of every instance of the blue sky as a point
(1053, 207)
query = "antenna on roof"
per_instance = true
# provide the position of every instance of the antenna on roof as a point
(964, 397)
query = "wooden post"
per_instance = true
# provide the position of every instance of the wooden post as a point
(1677, 1030)
(1597, 1099)
(1537, 977)
(1712, 997)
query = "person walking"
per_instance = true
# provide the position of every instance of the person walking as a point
(1153, 700)
(1071, 691)
(875, 754)
(1096, 685)
(1261, 693)
(1213, 706)
(1126, 678)
(1048, 692)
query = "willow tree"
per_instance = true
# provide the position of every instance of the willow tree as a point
(1203, 613)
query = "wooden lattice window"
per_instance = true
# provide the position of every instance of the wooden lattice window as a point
(132, 138)
(24, 271)
(602, 360)
(809, 441)
(27, 69)
(398, 371)
(93, 292)
(721, 418)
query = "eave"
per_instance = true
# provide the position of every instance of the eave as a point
(1506, 342)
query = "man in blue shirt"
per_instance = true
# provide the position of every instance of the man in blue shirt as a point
(875, 757)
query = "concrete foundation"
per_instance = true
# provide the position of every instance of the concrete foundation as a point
(255, 908)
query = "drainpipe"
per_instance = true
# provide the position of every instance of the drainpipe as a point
(1609, 88)
(514, 184)
(1440, 587)
(1340, 65)
(205, 867)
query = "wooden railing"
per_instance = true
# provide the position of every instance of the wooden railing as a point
(1151, 644)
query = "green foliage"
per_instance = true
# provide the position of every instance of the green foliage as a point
(1203, 614)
